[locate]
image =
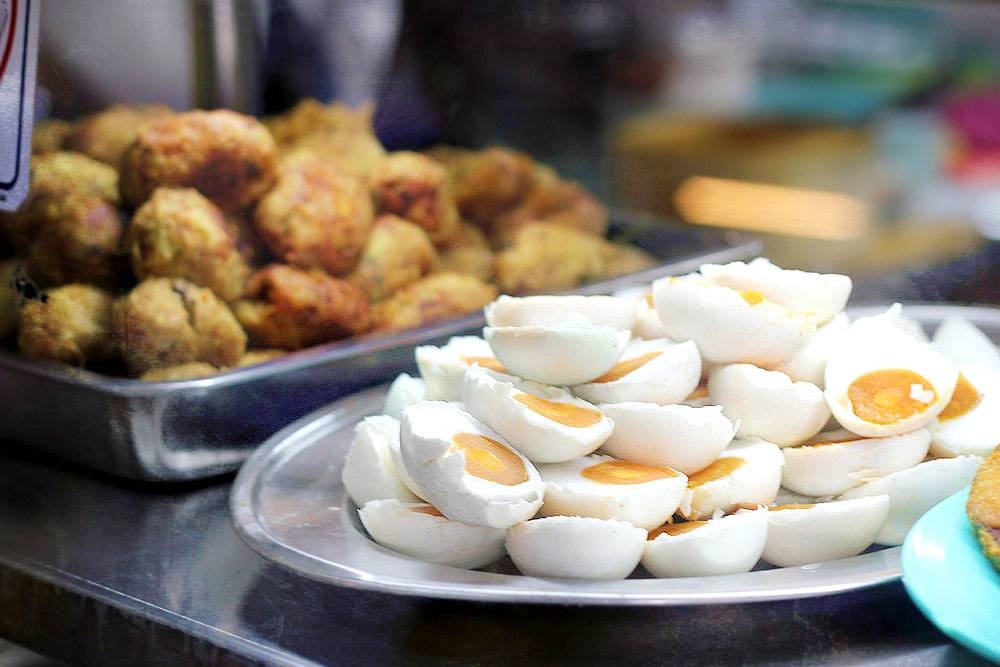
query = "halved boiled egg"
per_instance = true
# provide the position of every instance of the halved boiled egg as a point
(748, 472)
(570, 352)
(881, 381)
(650, 371)
(727, 545)
(369, 472)
(729, 326)
(970, 423)
(617, 312)
(546, 424)
(834, 461)
(607, 488)
(421, 531)
(466, 469)
(809, 363)
(577, 547)
(677, 436)
(647, 321)
(964, 343)
(819, 295)
(767, 404)
(443, 368)
(403, 391)
(914, 491)
(803, 534)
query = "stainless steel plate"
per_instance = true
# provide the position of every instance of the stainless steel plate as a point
(288, 504)
(167, 431)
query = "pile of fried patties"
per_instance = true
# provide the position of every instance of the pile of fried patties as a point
(718, 419)
(168, 242)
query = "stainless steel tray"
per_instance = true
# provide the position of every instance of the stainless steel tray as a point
(288, 503)
(169, 431)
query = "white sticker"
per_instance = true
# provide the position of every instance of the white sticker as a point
(18, 51)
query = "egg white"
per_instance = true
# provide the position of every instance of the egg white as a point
(617, 312)
(369, 472)
(442, 368)
(646, 505)
(403, 391)
(677, 436)
(667, 378)
(727, 545)
(435, 539)
(964, 343)
(492, 399)
(576, 547)
(647, 321)
(977, 431)
(755, 482)
(809, 363)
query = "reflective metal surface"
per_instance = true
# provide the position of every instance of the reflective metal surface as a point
(168, 431)
(289, 504)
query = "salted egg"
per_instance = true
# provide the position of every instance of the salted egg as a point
(964, 343)
(369, 471)
(727, 545)
(617, 312)
(403, 391)
(650, 371)
(748, 472)
(442, 368)
(970, 423)
(809, 363)
(576, 547)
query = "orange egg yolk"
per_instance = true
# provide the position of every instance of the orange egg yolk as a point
(752, 296)
(718, 469)
(486, 362)
(566, 414)
(490, 460)
(965, 398)
(623, 368)
(426, 509)
(887, 396)
(675, 528)
(791, 506)
(625, 472)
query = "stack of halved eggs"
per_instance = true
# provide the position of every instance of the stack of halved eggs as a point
(724, 417)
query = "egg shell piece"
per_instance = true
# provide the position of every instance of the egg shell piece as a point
(977, 431)
(809, 363)
(819, 295)
(728, 545)
(755, 482)
(438, 469)
(914, 491)
(435, 539)
(403, 391)
(492, 399)
(369, 472)
(768, 404)
(576, 547)
(668, 377)
(443, 368)
(826, 531)
(565, 354)
(726, 327)
(876, 343)
(646, 505)
(613, 311)
(831, 469)
(677, 436)
(964, 343)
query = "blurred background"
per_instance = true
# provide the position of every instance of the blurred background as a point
(855, 136)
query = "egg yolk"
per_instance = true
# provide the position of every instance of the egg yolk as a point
(791, 506)
(566, 414)
(486, 362)
(887, 396)
(625, 472)
(718, 469)
(701, 391)
(488, 459)
(623, 368)
(427, 509)
(752, 296)
(965, 398)
(675, 528)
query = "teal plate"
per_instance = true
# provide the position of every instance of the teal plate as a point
(950, 579)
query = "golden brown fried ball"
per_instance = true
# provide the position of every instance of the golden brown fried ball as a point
(290, 309)
(167, 322)
(82, 243)
(983, 506)
(468, 253)
(549, 258)
(316, 216)
(254, 357)
(398, 253)
(189, 371)
(310, 116)
(178, 233)
(358, 153)
(49, 136)
(8, 299)
(106, 135)
(437, 297)
(556, 202)
(487, 183)
(71, 324)
(226, 156)
(416, 188)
